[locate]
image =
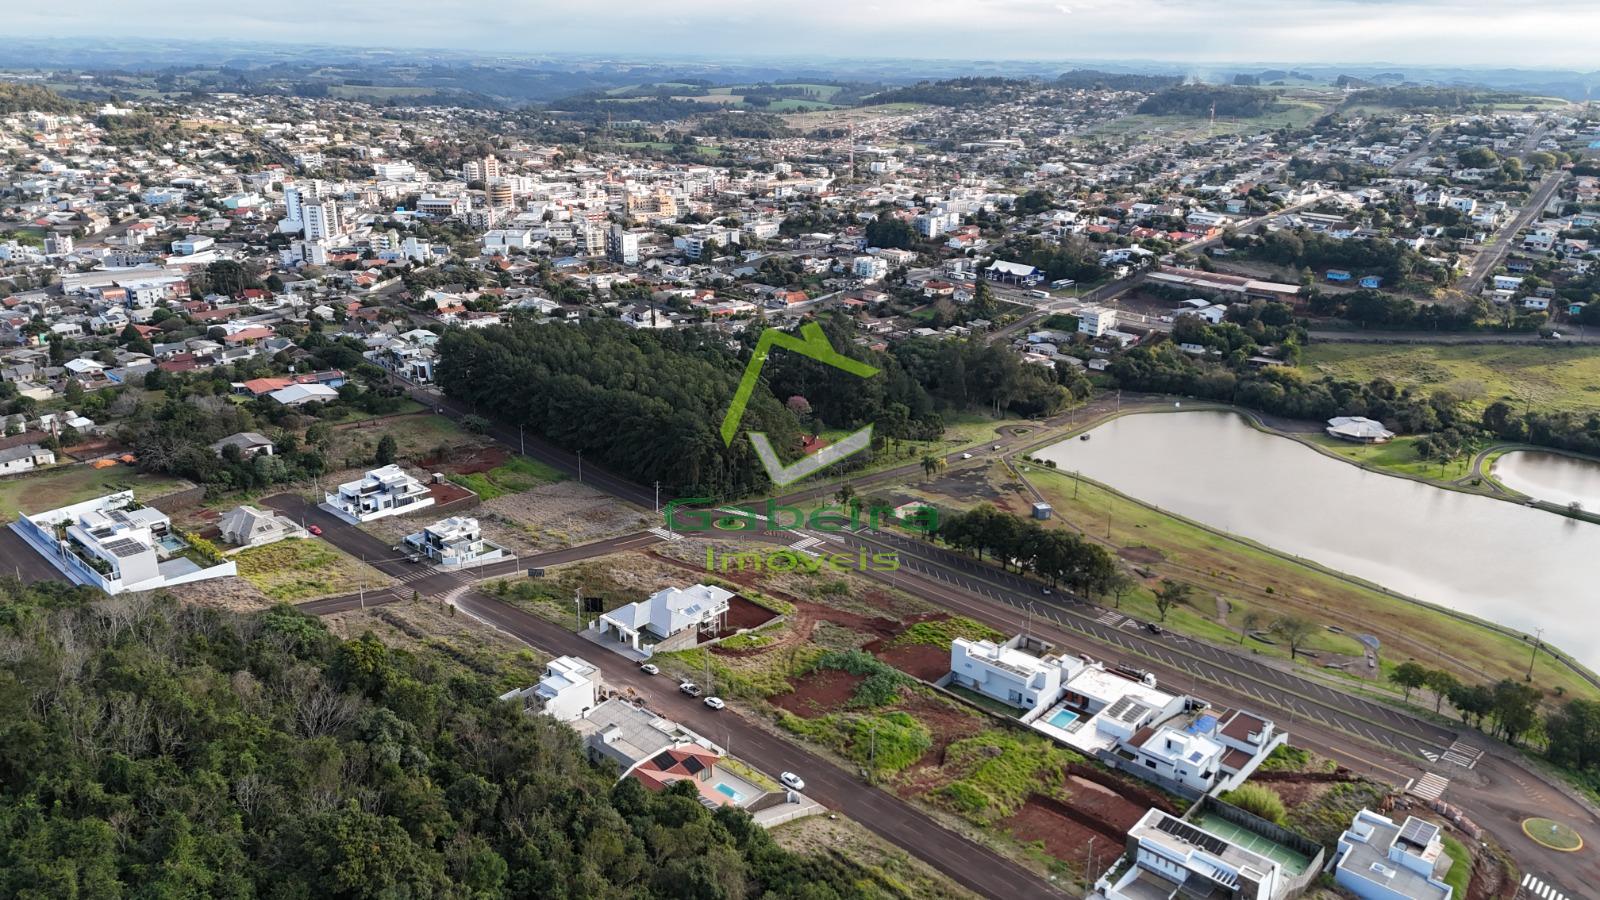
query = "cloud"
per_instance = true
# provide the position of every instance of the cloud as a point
(1453, 32)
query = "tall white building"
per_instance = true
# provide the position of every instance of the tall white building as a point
(622, 246)
(484, 169)
(297, 196)
(322, 220)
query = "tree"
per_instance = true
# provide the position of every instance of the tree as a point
(1443, 684)
(386, 450)
(1474, 702)
(1294, 631)
(846, 494)
(931, 464)
(1119, 586)
(1251, 622)
(1171, 593)
(1409, 676)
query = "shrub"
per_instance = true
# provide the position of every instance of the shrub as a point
(942, 632)
(883, 682)
(890, 742)
(1260, 800)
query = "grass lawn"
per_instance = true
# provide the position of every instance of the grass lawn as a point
(1549, 375)
(1253, 579)
(517, 475)
(54, 488)
(1399, 455)
(415, 437)
(407, 407)
(294, 570)
(1460, 874)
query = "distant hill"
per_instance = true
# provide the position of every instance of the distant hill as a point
(18, 98)
(1199, 100)
(1094, 79)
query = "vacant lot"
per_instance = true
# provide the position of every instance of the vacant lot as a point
(416, 437)
(1548, 376)
(55, 488)
(515, 475)
(294, 570)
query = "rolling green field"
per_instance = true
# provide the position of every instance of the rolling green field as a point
(1548, 376)
(54, 488)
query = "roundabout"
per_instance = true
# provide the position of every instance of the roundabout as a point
(1552, 834)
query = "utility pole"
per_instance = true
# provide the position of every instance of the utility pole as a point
(658, 496)
(580, 467)
(1088, 873)
(522, 442)
(577, 607)
(1538, 636)
(872, 753)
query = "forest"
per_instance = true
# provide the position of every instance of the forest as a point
(151, 749)
(1200, 100)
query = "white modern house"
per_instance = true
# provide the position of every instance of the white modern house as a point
(249, 526)
(1118, 717)
(570, 688)
(672, 617)
(1005, 673)
(115, 544)
(1170, 857)
(388, 491)
(456, 542)
(1379, 859)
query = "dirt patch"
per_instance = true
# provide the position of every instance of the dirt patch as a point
(1148, 556)
(946, 722)
(819, 693)
(968, 485)
(923, 661)
(467, 461)
(1108, 809)
(445, 492)
(1062, 837)
(743, 613)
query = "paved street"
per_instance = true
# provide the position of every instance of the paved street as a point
(966, 862)
(1490, 257)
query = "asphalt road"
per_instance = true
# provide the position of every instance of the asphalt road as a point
(18, 558)
(965, 861)
(1272, 690)
(969, 864)
(1490, 257)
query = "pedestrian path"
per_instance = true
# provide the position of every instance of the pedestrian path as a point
(1462, 755)
(1429, 786)
(805, 544)
(1533, 887)
(665, 534)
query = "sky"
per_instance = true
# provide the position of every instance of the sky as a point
(1521, 33)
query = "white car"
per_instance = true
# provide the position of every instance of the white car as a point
(650, 669)
(966, 456)
(715, 702)
(793, 781)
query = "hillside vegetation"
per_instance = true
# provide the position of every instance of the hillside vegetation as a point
(153, 750)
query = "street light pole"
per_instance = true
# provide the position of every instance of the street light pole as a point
(522, 442)
(658, 496)
(580, 467)
(1538, 635)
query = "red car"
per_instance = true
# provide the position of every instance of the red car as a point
(314, 529)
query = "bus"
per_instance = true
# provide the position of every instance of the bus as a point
(1042, 295)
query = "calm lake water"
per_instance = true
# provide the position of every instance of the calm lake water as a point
(1521, 567)
(1551, 476)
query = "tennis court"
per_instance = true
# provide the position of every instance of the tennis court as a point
(1292, 862)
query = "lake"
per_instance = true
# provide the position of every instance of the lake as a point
(1551, 477)
(1515, 565)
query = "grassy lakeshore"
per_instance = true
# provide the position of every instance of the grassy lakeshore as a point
(1248, 577)
(1547, 375)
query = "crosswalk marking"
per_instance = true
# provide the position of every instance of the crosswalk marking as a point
(1533, 885)
(1429, 786)
(665, 534)
(1429, 755)
(1110, 618)
(1462, 755)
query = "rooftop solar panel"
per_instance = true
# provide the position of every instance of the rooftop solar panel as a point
(1186, 832)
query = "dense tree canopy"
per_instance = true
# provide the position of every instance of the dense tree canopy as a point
(149, 749)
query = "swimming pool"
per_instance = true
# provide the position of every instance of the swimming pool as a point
(1062, 718)
(730, 793)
